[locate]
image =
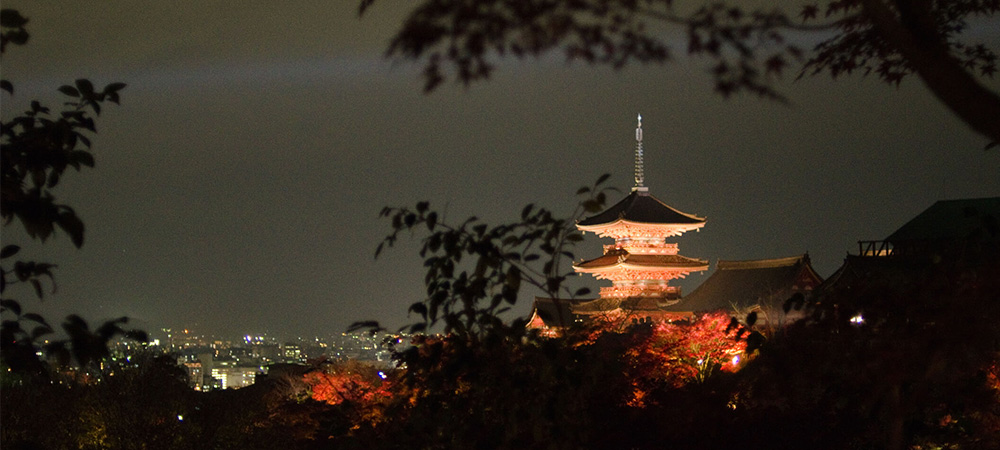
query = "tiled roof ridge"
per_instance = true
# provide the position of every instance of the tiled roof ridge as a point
(763, 263)
(641, 259)
(624, 208)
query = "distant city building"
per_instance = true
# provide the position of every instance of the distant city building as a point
(196, 377)
(292, 353)
(235, 376)
(216, 363)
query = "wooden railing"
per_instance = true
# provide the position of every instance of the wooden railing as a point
(874, 248)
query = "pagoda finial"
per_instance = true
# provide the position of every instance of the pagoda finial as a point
(639, 173)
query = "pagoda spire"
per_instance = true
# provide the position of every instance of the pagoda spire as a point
(640, 175)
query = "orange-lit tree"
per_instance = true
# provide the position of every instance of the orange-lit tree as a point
(347, 382)
(691, 351)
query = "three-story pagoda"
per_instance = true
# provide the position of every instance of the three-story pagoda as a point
(640, 263)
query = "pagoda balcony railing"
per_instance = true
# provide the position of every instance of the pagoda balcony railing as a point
(637, 248)
(649, 290)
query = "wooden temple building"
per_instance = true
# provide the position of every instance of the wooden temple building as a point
(952, 240)
(961, 234)
(762, 286)
(641, 263)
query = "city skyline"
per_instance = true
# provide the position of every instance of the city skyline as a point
(238, 184)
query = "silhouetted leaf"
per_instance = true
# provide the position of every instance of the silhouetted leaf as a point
(72, 225)
(9, 250)
(420, 309)
(754, 342)
(734, 324)
(69, 90)
(81, 158)
(38, 288)
(136, 335)
(114, 87)
(12, 18)
(37, 318)
(40, 331)
(796, 301)
(85, 87)
(370, 325)
(11, 306)
(526, 211)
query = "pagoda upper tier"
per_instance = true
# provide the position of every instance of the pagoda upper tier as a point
(640, 215)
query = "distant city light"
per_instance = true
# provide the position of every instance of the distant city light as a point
(381, 375)
(180, 418)
(858, 319)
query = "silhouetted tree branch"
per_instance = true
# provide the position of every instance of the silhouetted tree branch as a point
(36, 149)
(747, 49)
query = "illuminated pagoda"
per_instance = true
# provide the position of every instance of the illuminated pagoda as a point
(640, 263)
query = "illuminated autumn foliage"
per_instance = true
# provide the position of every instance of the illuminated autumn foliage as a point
(353, 382)
(661, 354)
(692, 350)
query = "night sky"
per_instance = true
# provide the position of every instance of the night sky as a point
(238, 186)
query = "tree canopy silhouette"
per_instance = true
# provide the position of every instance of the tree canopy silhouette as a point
(36, 149)
(747, 48)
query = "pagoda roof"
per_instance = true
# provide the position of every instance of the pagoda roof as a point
(641, 207)
(739, 284)
(620, 257)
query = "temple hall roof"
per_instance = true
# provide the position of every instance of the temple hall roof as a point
(765, 282)
(950, 220)
(640, 206)
(555, 313)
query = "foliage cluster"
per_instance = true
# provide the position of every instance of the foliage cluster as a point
(748, 48)
(474, 271)
(36, 149)
(920, 372)
(347, 382)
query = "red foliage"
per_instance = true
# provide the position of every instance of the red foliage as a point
(335, 385)
(673, 354)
